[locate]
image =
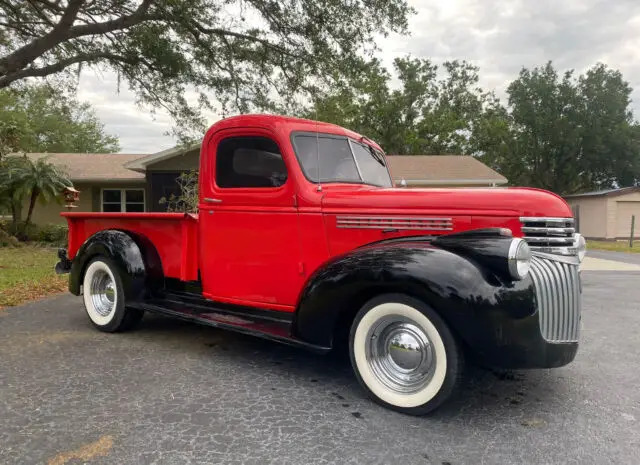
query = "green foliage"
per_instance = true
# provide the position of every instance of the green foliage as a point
(562, 133)
(11, 188)
(40, 118)
(37, 179)
(43, 181)
(188, 199)
(429, 113)
(7, 240)
(51, 234)
(572, 134)
(244, 54)
(21, 231)
(54, 234)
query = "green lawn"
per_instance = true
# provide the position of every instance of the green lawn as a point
(617, 246)
(26, 273)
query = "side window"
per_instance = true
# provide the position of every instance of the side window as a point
(249, 162)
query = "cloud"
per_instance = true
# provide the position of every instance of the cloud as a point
(502, 37)
(138, 129)
(499, 36)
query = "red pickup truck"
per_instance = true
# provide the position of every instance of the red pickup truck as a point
(301, 238)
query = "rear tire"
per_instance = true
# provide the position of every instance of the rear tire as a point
(404, 355)
(104, 299)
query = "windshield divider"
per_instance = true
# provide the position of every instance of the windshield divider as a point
(355, 160)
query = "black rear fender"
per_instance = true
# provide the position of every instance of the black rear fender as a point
(135, 257)
(463, 291)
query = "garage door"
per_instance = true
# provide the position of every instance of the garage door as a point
(623, 218)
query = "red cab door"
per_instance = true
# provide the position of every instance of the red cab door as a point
(249, 231)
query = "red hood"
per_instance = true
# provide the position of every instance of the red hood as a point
(474, 202)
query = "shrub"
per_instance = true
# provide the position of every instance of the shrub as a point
(188, 199)
(21, 230)
(7, 240)
(53, 234)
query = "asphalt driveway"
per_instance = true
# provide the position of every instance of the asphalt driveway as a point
(175, 393)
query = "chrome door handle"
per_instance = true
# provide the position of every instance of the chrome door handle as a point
(212, 200)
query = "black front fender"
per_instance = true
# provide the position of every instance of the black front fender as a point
(135, 258)
(469, 296)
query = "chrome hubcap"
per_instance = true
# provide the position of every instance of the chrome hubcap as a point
(400, 355)
(103, 293)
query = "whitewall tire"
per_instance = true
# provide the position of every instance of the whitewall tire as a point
(104, 297)
(403, 354)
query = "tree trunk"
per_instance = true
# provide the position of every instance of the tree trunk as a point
(35, 193)
(15, 212)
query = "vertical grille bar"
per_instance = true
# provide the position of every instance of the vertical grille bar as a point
(558, 293)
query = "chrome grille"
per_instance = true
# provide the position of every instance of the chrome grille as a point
(553, 235)
(557, 287)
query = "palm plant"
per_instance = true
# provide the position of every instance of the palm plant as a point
(12, 170)
(41, 180)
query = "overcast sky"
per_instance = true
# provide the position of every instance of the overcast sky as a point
(500, 36)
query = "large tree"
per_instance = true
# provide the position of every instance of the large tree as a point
(571, 134)
(429, 111)
(40, 118)
(242, 53)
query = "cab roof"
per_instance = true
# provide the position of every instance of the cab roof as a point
(288, 124)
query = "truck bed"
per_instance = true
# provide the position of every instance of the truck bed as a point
(174, 235)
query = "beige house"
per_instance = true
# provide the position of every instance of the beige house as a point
(137, 182)
(607, 214)
(103, 181)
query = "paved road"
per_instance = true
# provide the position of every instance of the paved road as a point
(174, 393)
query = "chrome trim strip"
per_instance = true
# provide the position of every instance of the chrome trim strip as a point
(392, 221)
(428, 218)
(391, 226)
(387, 222)
(541, 219)
(551, 240)
(529, 229)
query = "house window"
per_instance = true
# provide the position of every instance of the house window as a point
(123, 200)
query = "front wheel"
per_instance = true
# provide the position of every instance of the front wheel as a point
(104, 298)
(404, 355)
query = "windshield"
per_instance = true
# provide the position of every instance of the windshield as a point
(329, 158)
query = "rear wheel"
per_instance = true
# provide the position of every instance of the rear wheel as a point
(403, 354)
(104, 298)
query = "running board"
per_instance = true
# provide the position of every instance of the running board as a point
(266, 327)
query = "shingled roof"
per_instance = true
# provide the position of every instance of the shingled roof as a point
(415, 169)
(91, 167)
(442, 170)
(606, 192)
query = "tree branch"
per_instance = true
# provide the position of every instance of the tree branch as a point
(61, 65)
(123, 22)
(224, 33)
(65, 30)
(28, 53)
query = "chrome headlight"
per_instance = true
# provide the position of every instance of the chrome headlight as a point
(519, 259)
(581, 246)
